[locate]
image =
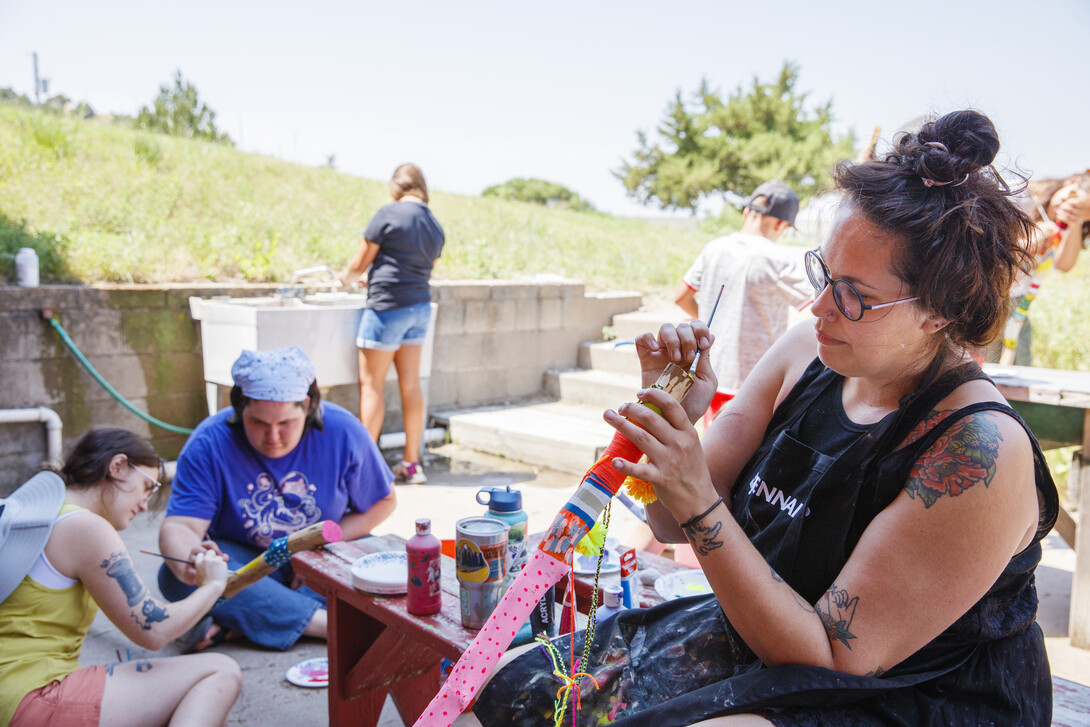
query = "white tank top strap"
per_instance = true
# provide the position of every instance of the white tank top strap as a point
(43, 571)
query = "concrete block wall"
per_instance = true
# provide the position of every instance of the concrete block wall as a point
(494, 341)
(140, 338)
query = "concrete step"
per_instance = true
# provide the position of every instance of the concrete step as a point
(559, 436)
(596, 389)
(610, 356)
(630, 325)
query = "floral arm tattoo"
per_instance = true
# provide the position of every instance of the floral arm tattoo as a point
(119, 567)
(963, 456)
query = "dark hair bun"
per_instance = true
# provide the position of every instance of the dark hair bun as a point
(950, 147)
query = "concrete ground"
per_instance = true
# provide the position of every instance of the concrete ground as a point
(454, 476)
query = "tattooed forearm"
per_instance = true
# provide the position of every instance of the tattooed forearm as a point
(798, 599)
(704, 538)
(119, 567)
(965, 455)
(837, 609)
(151, 613)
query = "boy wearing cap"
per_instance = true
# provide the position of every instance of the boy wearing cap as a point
(761, 282)
(279, 459)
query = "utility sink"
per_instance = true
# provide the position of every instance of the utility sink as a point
(323, 325)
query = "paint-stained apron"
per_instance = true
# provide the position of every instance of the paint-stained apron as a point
(805, 510)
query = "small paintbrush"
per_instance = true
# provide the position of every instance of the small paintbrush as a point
(168, 557)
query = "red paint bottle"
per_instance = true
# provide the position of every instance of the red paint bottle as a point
(423, 550)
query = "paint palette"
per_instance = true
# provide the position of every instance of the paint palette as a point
(683, 583)
(385, 574)
(312, 673)
(586, 565)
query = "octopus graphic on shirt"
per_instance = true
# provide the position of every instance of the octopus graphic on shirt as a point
(272, 509)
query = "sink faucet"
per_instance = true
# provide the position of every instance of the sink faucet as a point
(296, 290)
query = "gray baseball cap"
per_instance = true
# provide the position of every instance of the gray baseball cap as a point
(781, 201)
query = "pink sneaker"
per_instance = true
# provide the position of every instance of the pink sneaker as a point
(411, 473)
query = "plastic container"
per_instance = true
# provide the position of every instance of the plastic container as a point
(26, 268)
(506, 504)
(611, 602)
(425, 597)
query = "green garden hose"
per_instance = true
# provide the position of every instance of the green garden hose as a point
(47, 313)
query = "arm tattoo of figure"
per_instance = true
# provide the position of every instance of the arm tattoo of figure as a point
(798, 599)
(963, 456)
(119, 567)
(837, 609)
(704, 538)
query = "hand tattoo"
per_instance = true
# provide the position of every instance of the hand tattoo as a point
(837, 609)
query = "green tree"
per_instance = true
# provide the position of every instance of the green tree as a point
(538, 191)
(180, 112)
(712, 146)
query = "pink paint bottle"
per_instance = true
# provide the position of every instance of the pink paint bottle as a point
(423, 551)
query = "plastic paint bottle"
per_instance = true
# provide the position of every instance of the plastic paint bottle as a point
(26, 268)
(423, 550)
(611, 602)
(506, 505)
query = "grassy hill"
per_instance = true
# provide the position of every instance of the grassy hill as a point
(102, 202)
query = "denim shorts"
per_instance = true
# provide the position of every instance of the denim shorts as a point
(389, 330)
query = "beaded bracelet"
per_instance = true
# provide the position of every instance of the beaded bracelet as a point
(697, 518)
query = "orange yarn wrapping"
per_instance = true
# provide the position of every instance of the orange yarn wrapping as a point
(603, 469)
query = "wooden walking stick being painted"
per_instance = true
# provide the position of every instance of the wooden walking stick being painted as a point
(549, 563)
(1018, 316)
(279, 554)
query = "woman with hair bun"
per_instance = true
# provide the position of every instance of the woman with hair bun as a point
(868, 510)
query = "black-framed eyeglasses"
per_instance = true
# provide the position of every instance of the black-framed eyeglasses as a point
(151, 481)
(848, 299)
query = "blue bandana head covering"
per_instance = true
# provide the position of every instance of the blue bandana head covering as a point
(282, 374)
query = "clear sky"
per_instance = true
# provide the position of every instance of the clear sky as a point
(479, 92)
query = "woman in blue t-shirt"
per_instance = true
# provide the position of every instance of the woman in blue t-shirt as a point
(400, 245)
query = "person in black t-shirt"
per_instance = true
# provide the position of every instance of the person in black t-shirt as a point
(400, 246)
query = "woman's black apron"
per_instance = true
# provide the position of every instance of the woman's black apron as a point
(682, 662)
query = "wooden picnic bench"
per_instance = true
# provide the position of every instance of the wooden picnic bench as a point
(376, 647)
(1056, 406)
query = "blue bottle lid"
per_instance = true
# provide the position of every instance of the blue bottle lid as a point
(500, 500)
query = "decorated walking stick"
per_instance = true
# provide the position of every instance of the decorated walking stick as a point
(279, 554)
(1018, 316)
(549, 563)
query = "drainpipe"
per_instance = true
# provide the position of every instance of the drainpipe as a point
(48, 418)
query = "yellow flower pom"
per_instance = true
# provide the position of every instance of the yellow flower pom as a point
(593, 542)
(640, 490)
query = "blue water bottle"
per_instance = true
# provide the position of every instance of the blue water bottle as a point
(506, 504)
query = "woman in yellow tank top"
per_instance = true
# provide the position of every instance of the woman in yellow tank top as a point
(109, 477)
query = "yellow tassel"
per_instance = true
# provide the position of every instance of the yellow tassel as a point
(593, 542)
(640, 490)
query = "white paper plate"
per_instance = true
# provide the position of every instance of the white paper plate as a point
(586, 565)
(683, 583)
(383, 573)
(310, 673)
